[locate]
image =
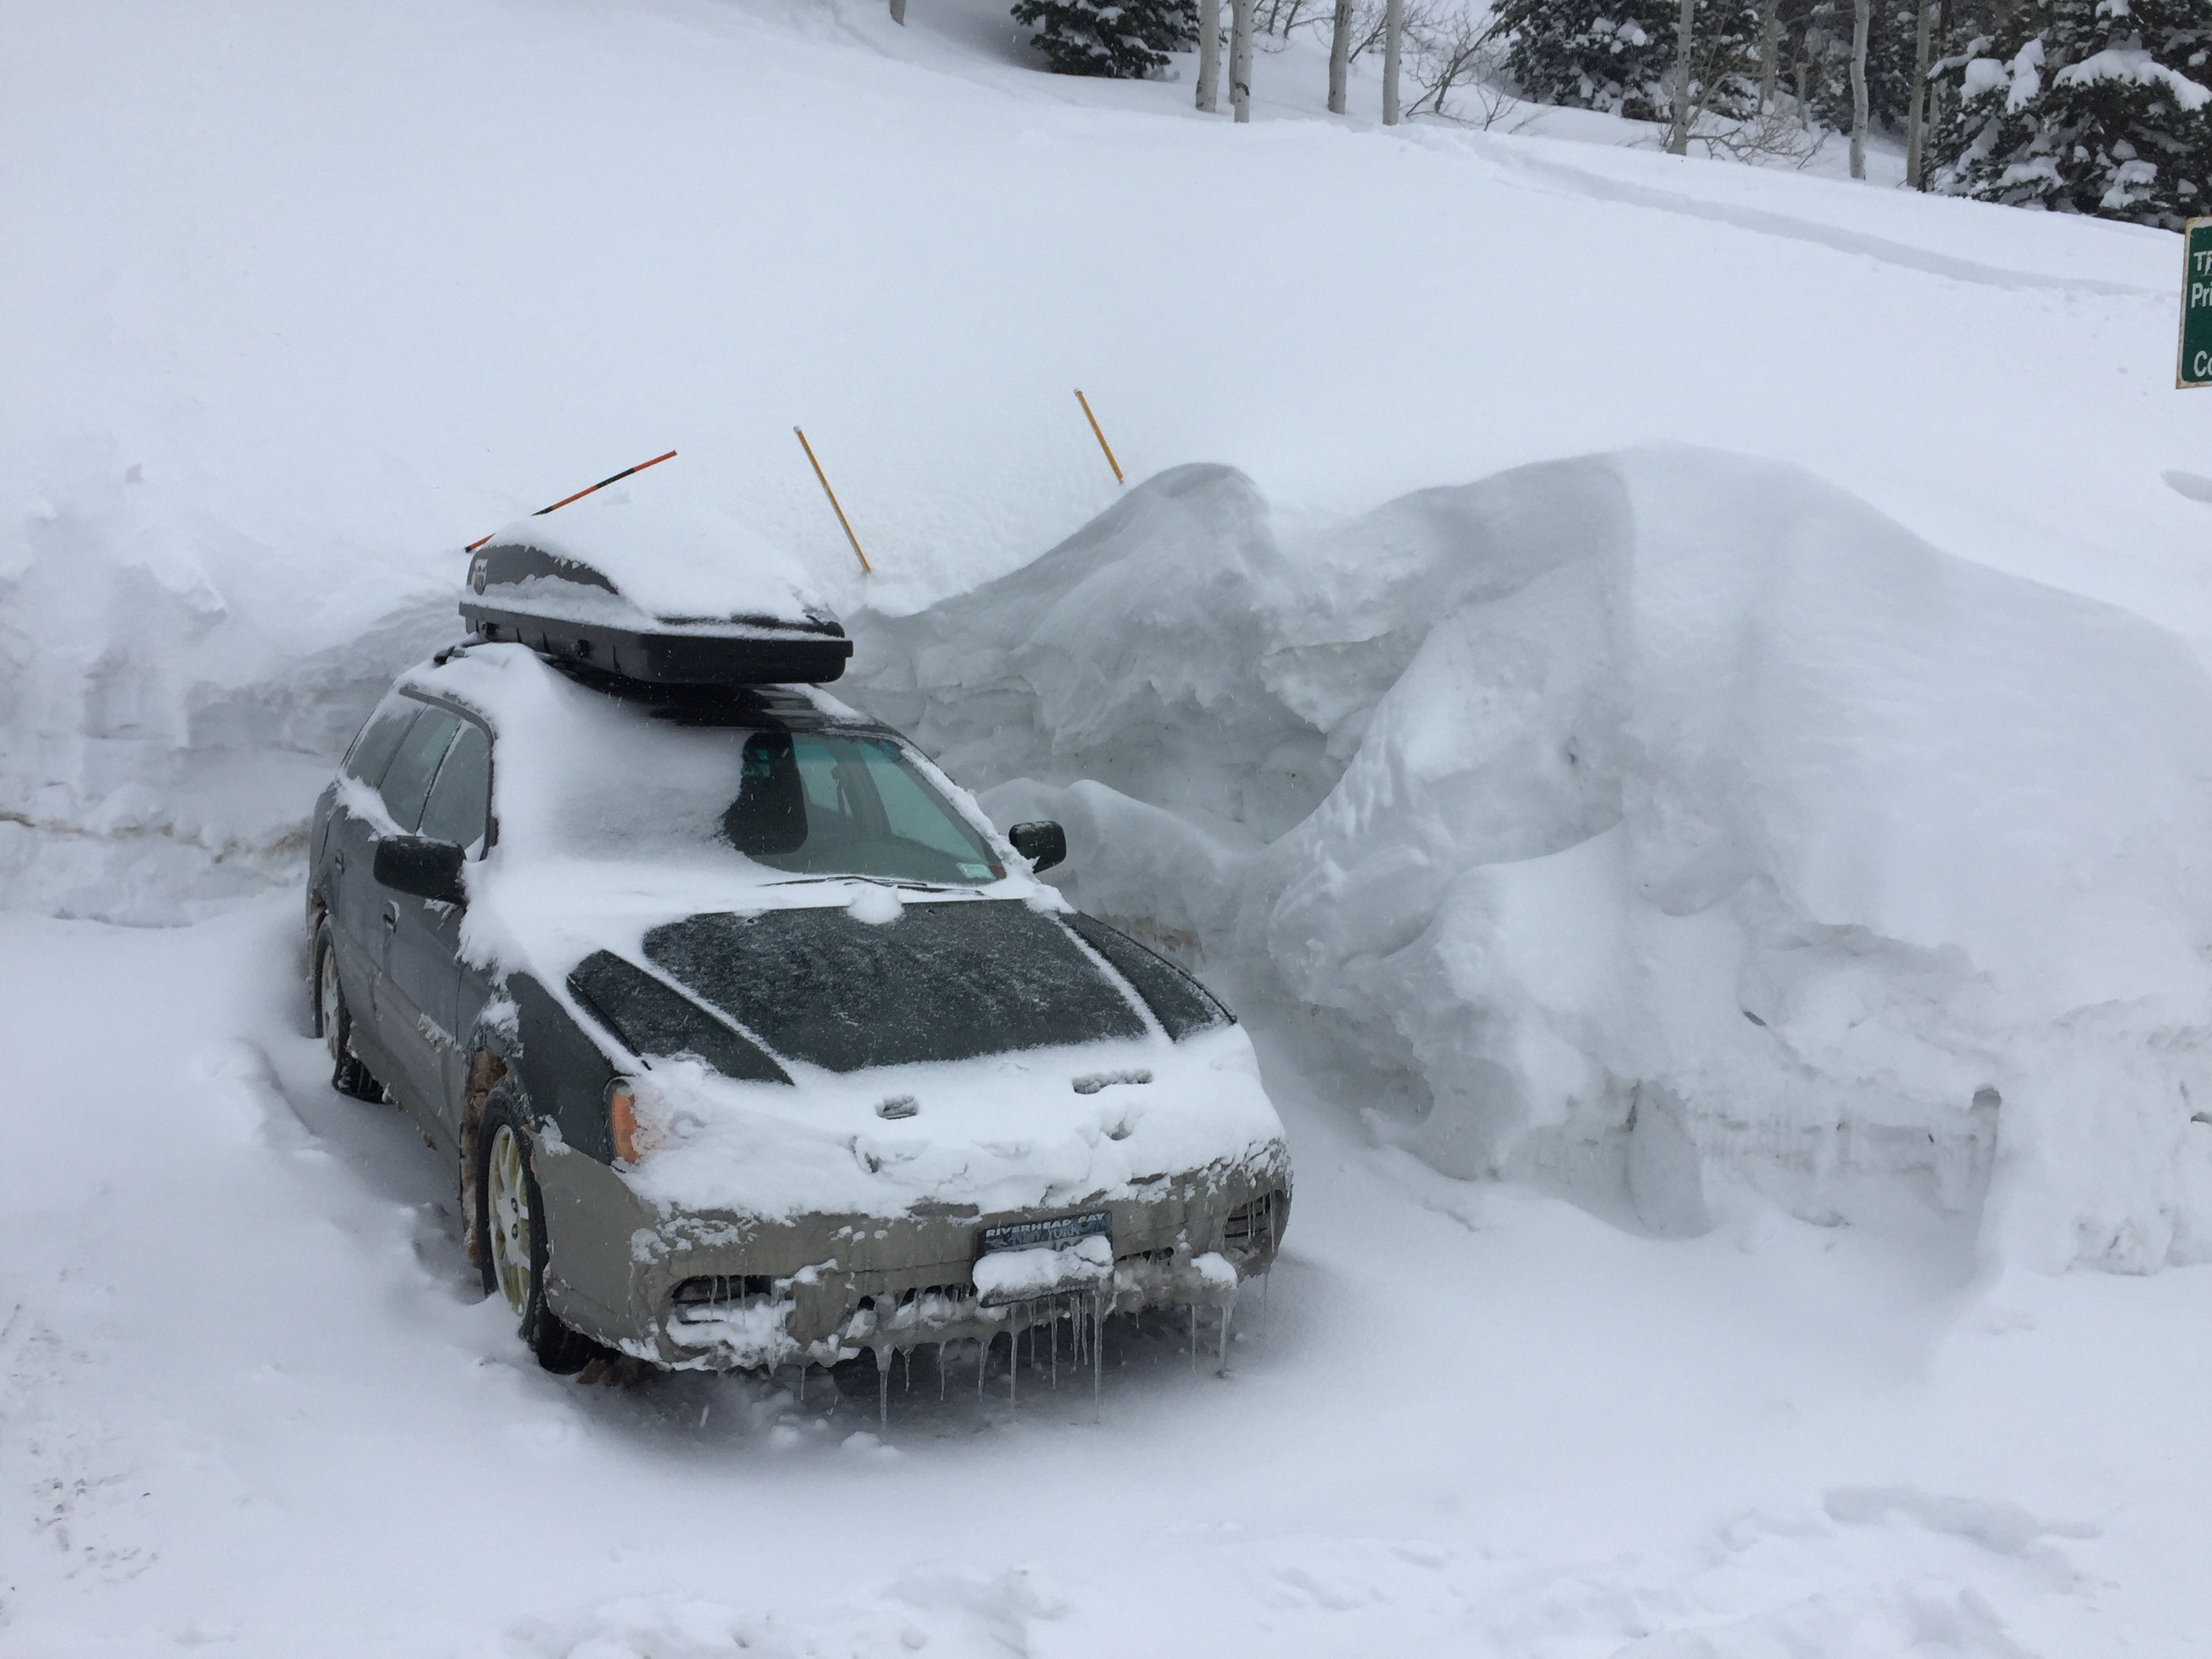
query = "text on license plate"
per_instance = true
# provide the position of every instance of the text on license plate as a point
(1041, 1234)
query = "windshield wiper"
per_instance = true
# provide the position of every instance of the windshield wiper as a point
(880, 881)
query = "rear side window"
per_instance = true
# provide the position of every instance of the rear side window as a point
(372, 751)
(460, 800)
(1183, 1006)
(652, 1020)
(407, 780)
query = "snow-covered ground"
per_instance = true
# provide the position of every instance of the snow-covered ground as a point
(1769, 831)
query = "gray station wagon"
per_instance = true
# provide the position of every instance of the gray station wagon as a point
(751, 1042)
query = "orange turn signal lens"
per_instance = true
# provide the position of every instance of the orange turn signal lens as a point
(622, 1118)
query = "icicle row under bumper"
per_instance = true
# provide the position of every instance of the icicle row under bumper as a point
(721, 1293)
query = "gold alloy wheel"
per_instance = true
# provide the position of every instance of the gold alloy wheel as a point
(510, 1219)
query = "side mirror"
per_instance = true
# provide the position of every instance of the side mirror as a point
(1042, 844)
(416, 863)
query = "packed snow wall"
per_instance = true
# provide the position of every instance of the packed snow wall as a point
(167, 712)
(1674, 819)
(1665, 820)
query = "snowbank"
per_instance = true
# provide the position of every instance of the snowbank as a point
(1676, 819)
(174, 692)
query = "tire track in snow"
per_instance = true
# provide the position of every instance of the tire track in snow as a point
(1768, 222)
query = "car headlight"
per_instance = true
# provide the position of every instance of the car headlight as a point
(622, 1118)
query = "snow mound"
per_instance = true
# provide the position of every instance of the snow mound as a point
(167, 713)
(1676, 819)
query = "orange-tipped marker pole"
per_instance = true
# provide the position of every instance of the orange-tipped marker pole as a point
(866, 569)
(1101, 436)
(580, 494)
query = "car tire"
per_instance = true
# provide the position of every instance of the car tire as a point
(334, 1023)
(511, 1222)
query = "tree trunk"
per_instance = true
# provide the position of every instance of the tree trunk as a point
(1686, 37)
(1916, 125)
(1340, 56)
(1209, 55)
(1862, 16)
(898, 12)
(1394, 41)
(1240, 58)
(1770, 51)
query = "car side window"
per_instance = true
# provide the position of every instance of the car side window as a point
(460, 800)
(373, 750)
(407, 780)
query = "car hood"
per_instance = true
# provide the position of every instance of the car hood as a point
(1046, 1128)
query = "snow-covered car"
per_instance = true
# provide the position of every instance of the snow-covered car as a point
(751, 1040)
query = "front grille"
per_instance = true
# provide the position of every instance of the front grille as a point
(709, 1297)
(1254, 1224)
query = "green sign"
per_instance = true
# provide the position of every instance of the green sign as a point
(2195, 367)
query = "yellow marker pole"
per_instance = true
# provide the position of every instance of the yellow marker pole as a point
(866, 568)
(1101, 436)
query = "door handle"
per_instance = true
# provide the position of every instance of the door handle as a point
(391, 918)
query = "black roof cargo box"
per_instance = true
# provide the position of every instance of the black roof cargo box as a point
(640, 597)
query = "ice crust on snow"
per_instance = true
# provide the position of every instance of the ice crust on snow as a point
(1671, 816)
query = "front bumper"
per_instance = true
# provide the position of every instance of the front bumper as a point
(720, 1292)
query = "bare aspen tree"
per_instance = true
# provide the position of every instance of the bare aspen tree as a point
(1916, 123)
(1340, 56)
(1240, 58)
(1770, 51)
(1209, 54)
(1393, 41)
(1686, 37)
(1862, 16)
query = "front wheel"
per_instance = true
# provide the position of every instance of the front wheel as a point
(334, 1023)
(511, 1222)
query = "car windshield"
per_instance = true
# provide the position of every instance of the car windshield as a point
(828, 803)
(682, 790)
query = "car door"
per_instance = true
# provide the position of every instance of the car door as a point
(423, 957)
(415, 1076)
(348, 852)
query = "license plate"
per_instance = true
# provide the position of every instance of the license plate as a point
(1042, 1235)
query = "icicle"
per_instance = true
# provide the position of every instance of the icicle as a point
(1227, 1307)
(983, 1363)
(1053, 1331)
(802, 1382)
(883, 1390)
(1098, 1357)
(1194, 1339)
(1013, 1363)
(940, 1373)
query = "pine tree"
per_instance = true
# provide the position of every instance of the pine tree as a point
(1619, 54)
(2086, 107)
(1611, 55)
(1126, 39)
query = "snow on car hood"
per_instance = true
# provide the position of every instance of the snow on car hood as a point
(1035, 1129)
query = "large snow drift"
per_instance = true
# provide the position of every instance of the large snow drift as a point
(1673, 816)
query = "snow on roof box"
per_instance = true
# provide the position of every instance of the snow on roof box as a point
(653, 589)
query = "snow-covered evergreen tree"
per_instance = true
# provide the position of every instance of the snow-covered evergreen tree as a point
(1127, 40)
(1611, 55)
(2087, 106)
(1619, 54)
